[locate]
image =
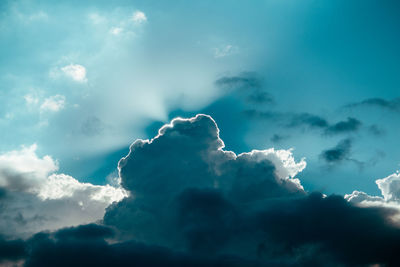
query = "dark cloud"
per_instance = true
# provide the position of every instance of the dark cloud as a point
(260, 98)
(301, 120)
(350, 125)
(11, 250)
(277, 138)
(245, 80)
(86, 249)
(331, 231)
(194, 204)
(3, 193)
(307, 231)
(248, 85)
(313, 121)
(338, 153)
(376, 130)
(289, 120)
(190, 195)
(188, 154)
(393, 105)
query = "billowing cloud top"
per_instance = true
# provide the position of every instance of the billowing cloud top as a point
(192, 203)
(188, 154)
(35, 198)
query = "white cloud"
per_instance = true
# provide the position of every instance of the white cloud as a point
(225, 50)
(31, 99)
(390, 191)
(76, 72)
(139, 17)
(45, 200)
(390, 187)
(116, 30)
(20, 169)
(53, 103)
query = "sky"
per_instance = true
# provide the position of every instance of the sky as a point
(240, 118)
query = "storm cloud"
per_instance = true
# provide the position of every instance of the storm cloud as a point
(188, 194)
(192, 203)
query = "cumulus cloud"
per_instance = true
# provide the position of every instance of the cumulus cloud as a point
(193, 203)
(76, 72)
(139, 17)
(190, 194)
(53, 103)
(188, 153)
(35, 198)
(390, 193)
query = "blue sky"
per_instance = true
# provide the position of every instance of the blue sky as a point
(292, 160)
(108, 71)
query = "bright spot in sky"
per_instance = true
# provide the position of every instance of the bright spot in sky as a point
(76, 72)
(139, 17)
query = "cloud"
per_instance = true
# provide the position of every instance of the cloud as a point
(351, 125)
(139, 17)
(194, 204)
(313, 121)
(36, 198)
(245, 80)
(393, 105)
(277, 138)
(339, 153)
(390, 194)
(289, 120)
(309, 120)
(187, 154)
(31, 99)
(11, 251)
(390, 187)
(248, 85)
(225, 50)
(76, 72)
(116, 30)
(87, 246)
(310, 231)
(53, 103)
